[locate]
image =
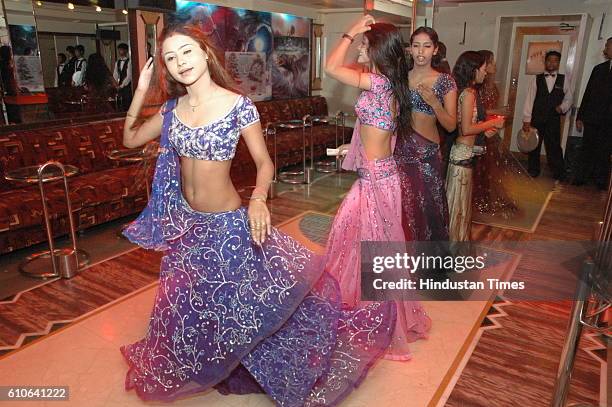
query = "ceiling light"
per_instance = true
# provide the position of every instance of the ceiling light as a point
(71, 6)
(98, 9)
(39, 3)
(124, 11)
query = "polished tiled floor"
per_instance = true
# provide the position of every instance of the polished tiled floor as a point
(85, 355)
(86, 358)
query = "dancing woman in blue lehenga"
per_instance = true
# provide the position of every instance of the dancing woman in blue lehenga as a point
(240, 306)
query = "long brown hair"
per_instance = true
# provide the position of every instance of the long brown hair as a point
(163, 86)
(387, 54)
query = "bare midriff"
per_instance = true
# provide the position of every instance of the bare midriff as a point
(376, 142)
(467, 140)
(426, 126)
(207, 185)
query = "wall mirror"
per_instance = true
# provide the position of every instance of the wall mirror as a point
(423, 13)
(39, 66)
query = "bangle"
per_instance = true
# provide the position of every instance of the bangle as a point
(131, 115)
(348, 37)
(257, 198)
(260, 191)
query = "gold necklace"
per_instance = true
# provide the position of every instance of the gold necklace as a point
(193, 108)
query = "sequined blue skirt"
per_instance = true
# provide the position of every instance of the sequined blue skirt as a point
(245, 318)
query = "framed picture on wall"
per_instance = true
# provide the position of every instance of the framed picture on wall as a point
(267, 54)
(536, 51)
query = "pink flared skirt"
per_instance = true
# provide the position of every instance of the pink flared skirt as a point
(372, 212)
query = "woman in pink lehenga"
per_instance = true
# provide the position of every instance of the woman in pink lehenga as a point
(372, 209)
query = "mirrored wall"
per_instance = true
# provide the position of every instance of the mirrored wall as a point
(62, 59)
(424, 13)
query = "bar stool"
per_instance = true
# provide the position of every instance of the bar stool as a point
(271, 131)
(295, 177)
(326, 166)
(341, 118)
(64, 262)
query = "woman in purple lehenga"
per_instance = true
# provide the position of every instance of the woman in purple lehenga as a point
(434, 99)
(372, 209)
(240, 307)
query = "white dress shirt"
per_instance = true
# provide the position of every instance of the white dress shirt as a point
(128, 75)
(78, 78)
(550, 83)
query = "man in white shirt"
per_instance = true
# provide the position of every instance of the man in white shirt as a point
(123, 76)
(548, 97)
(80, 66)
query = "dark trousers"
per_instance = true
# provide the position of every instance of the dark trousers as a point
(550, 135)
(124, 98)
(594, 160)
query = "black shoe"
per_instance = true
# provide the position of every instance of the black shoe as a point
(533, 173)
(578, 182)
(602, 187)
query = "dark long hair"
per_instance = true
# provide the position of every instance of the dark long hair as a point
(488, 55)
(436, 60)
(98, 78)
(388, 57)
(163, 86)
(465, 69)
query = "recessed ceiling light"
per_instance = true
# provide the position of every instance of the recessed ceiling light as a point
(124, 11)
(98, 9)
(71, 6)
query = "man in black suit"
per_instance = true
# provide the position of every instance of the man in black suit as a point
(70, 63)
(123, 76)
(548, 97)
(62, 75)
(595, 119)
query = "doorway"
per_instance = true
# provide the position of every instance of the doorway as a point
(534, 36)
(515, 36)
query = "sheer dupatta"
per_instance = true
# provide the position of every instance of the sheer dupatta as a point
(164, 217)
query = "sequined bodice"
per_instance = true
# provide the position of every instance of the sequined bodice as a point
(216, 141)
(443, 84)
(373, 106)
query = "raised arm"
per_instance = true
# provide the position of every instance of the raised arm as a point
(149, 130)
(335, 65)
